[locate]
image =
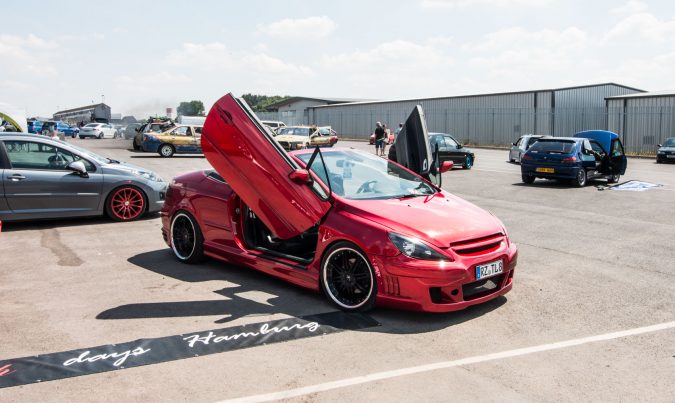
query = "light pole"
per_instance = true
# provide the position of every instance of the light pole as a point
(102, 98)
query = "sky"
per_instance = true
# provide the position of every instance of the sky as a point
(140, 57)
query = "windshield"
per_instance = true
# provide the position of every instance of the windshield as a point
(360, 176)
(669, 142)
(295, 131)
(553, 147)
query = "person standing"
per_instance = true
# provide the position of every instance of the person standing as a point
(379, 139)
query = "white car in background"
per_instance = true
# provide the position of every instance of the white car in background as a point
(97, 130)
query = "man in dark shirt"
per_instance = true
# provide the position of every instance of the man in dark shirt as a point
(379, 139)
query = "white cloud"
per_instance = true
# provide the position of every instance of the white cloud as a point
(523, 39)
(631, 7)
(303, 28)
(643, 26)
(389, 55)
(451, 4)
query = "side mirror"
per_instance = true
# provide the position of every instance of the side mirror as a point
(446, 166)
(79, 168)
(513, 144)
(659, 145)
(300, 176)
(459, 146)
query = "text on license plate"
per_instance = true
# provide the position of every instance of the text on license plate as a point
(489, 269)
(545, 170)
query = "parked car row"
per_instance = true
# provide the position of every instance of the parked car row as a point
(46, 127)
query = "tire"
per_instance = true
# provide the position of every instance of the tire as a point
(187, 241)
(126, 203)
(100, 136)
(81, 137)
(580, 180)
(528, 179)
(136, 146)
(166, 150)
(468, 162)
(347, 278)
(613, 179)
(658, 161)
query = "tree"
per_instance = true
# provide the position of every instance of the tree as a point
(192, 108)
(259, 103)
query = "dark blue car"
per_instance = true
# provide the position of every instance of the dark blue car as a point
(588, 155)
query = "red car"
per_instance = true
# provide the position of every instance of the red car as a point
(361, 229)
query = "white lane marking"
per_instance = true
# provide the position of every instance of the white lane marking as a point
(377, 376)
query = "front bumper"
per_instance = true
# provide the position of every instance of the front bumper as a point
(156, 194)
(433, 286)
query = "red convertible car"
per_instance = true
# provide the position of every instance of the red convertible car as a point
(359, 228)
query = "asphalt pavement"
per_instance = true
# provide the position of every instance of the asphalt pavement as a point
(591, 315)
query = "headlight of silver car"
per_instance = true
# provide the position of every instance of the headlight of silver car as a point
(148, 175)
(414, 248)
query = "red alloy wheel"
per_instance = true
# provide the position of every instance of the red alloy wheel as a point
(126, 204)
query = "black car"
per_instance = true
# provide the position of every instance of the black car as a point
(666, 151)
(452, 150)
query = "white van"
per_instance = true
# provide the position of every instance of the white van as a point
(273, 124)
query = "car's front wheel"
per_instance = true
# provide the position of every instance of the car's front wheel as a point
(347, 278)
(100, 135)
(580, 180)
(166, 150)
(614, 178)
(187, 241)
(468, 162)
(126, 203)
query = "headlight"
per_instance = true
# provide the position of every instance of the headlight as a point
(662, 152)
(148, 175)
(414, 248)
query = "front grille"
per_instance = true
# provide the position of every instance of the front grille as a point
(481, 288)
(478, 246)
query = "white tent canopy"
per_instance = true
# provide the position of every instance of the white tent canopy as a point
(15, 116)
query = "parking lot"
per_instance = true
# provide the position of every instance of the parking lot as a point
(592, 264)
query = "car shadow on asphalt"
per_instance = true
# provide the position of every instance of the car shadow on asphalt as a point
(248, 292)
(16, 226)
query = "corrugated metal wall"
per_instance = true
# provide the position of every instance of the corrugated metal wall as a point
(642, 123)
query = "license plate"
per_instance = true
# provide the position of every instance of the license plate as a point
(489, 269)
(545, 170)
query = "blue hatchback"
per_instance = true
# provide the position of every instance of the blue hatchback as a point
(588, 155)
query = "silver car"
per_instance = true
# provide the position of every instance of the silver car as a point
(47, 178)
(522, 145)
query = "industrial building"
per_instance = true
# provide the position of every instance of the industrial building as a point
(486, 119)
(642, 120)
(90, 113)
(295, 110)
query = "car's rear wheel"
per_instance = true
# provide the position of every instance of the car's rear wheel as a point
(347, 278)
(126, 203)
(614, 178)
(468, 162)
(187, 241)
(528, 179)
(100, 135)
(81, 137)
(580, 179)
(166, 150)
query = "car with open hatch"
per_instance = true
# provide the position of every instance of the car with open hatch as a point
(666, 151)
(48, 178)
(180, 139)
(359, 228)
(592, 154)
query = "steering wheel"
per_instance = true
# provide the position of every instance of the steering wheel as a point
(366, 187)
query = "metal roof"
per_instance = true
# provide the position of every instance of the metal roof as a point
(653, 94)
(484, 95)
(81, 108)
(326, 100)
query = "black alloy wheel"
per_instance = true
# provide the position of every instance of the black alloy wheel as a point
(187, 241)
(347, 278)
(528, 179)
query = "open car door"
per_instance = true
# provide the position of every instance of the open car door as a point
(258, 169)
(412, 144)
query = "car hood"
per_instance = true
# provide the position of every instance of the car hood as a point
(128, 168)
(439, 219)
(669, 149)
(291, 137)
